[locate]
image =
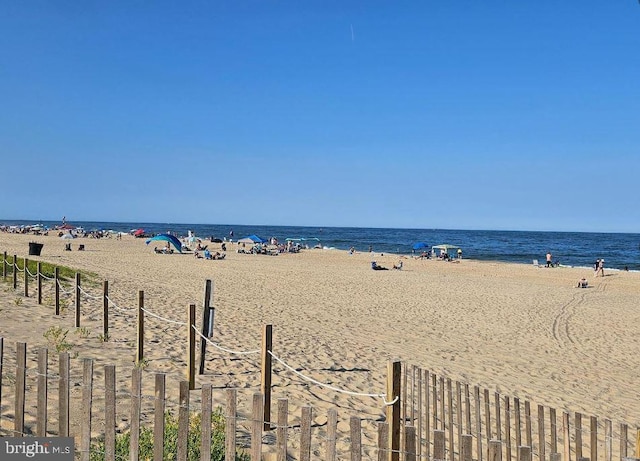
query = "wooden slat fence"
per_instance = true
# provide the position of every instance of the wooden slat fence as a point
(87, 400)
(501, 426)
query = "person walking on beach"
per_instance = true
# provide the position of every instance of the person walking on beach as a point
(600, 268)
(549, 259)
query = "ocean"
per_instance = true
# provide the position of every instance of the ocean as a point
(578, 249)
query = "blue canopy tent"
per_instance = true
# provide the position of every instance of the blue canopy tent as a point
(420, 246)
(251, 239)
(167, 238)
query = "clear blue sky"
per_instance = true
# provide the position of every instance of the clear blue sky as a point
(495, 114)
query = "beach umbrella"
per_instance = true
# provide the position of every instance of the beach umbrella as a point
(167, 238)
(251, 239)
(67, 236)
(420, 246)
(138, 233)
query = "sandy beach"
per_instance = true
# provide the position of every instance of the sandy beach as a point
(521, 330)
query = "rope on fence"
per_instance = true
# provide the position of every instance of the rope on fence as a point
(88, 295)
(63, 290)
(45, 277)
(15, 264)
(28, 272)
(162, 318)
(217, 346)
(359, 394)
(124, 309)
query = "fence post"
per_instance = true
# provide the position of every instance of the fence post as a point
(207, 323)
(383, 441)
(4, 266)
(306, 418)
(578, 439)
(466, 447)
(230, 425)
(15, 272)
(205, 428)
(281, 431)
(394, 375)
(77, 299)
(183, 421)
(25, 262)
(21, 375)
(63, 395)
(265, 386)
(566, 437)
(608, 440)
(191, 346)
(105, 311)
(158, 417)
(39, 282)
(140, 342)
(439, 445)
(524, 453)
(256, 427)
(476, 396)
(355, 426)
(541, 435)
(136, 391)
(56, 276)
(332, 427)
(43, 358)
(85, 419)
(410, 443)
(494, 452)
(109, 412)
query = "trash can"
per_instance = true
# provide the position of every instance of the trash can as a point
(35, 248)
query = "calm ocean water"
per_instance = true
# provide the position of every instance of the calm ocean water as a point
(569, 248)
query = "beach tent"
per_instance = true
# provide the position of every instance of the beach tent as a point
(445, 248)
(167, 238)
(67, 236)
(420, 246)
(251, 239)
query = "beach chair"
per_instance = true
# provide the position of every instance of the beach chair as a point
(535, 263)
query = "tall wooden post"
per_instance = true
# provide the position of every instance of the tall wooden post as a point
(140, 343)
(39, 282)
(191, 346)
(77, 299)
(394, 375)
(15, 272)
(4, 266)
(265, 385)
(25, 262)
(105, 310)
(56, 282)
(207, 324)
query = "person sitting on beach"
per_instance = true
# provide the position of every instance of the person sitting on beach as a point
(207, 254)
(398, 266)
(582, 283)
(376, 267)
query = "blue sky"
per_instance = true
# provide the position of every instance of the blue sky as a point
(417, 114)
